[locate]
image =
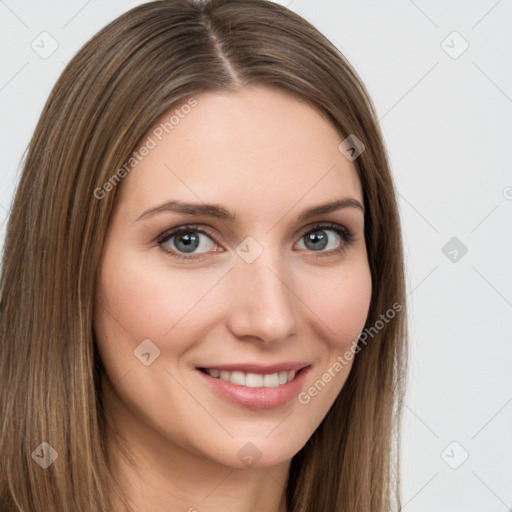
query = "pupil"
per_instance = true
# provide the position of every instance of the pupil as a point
(190, 242)
(317, 236)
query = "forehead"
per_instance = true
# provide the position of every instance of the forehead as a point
(258, 150)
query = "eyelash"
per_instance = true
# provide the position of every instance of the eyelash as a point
(346, 236)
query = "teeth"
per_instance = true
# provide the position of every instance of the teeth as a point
(283, 377)
(238, 378)
(271, 381)
(253, 380)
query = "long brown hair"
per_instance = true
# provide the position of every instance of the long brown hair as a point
(108, 97)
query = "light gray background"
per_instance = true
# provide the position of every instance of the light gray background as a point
(447, 123)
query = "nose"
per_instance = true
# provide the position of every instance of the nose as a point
(262, 301)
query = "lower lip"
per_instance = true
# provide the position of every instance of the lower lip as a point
(257, 398)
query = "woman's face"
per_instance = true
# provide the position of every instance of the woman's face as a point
(200, 331)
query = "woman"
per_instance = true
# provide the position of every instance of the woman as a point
(202, 292)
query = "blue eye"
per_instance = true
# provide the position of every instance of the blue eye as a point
(317, 238)
(183, 242)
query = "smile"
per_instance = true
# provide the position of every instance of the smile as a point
(252, 380)
(254, 386)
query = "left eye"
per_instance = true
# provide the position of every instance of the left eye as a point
(317, 239)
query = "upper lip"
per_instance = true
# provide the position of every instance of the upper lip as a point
(258, 368)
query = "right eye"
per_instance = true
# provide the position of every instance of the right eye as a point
(183, 241)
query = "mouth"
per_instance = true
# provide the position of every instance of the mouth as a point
(255, 386)
(252, 380)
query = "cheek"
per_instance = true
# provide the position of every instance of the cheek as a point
(341, 300)
(148, 300)
(341, 308)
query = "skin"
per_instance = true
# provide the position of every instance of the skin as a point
(265, 156)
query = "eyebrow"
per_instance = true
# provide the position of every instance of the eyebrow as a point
(218, 212)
